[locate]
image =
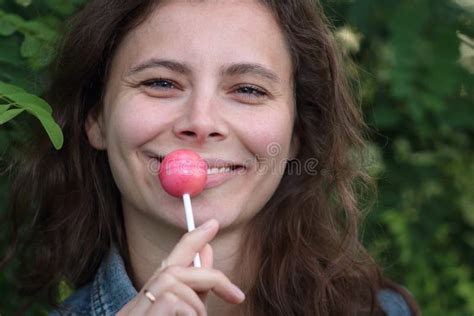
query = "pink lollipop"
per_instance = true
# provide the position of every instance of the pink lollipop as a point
(184, 173)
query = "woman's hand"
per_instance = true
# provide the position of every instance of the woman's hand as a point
(178, 289)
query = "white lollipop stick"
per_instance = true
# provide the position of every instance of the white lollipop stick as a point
(188, 211)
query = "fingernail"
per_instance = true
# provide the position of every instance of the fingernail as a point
(237, 292)
(207, 225)
(164, 264)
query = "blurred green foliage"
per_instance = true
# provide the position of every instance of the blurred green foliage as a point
(414, 60)
(28, 34)
(415, 63)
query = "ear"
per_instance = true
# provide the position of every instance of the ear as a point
(94, 130)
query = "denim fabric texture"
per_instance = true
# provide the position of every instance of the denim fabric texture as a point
(111, 289)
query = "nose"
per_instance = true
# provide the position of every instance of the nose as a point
(200, 122)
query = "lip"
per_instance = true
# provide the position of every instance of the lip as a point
(215, 179)
(211, 162)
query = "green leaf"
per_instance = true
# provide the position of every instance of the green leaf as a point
(9, 114)
(52, 128)
(13, 19)
(3, 108)
(64, 290)
(6, 27)
(30, 101)
(7, 89)
(40, 29)
(23, 3)
(42, 59)
(31, 46)
(24, 99)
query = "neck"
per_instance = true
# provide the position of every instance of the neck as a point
(150, 241)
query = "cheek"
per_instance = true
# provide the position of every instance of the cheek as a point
(135, 123)
(269, 135)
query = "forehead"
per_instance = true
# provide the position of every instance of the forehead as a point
(225, 31)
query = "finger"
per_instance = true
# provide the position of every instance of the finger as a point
(207, 256)
(142, 304)
(167, 282)
(202, 280)
(169, 304)
(207, 260)
(191, 243)
(190, 297)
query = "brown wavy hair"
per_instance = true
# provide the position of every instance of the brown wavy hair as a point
(302, 254)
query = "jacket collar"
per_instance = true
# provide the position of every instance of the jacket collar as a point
(112, 288)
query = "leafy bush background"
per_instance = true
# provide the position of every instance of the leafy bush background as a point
(415, 64)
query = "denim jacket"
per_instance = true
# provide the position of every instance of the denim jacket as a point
(111, 289)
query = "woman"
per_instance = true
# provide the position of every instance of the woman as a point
(249, 85)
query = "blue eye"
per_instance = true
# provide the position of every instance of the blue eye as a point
(251, 91)
(159, 84)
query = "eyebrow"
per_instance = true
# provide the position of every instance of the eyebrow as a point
(228, 70)
(250, 68)
(164, 63)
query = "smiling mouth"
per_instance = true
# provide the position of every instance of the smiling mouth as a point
(213, 168)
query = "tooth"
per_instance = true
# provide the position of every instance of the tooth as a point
(218, 170)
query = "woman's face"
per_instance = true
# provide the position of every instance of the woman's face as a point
(211, 76)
